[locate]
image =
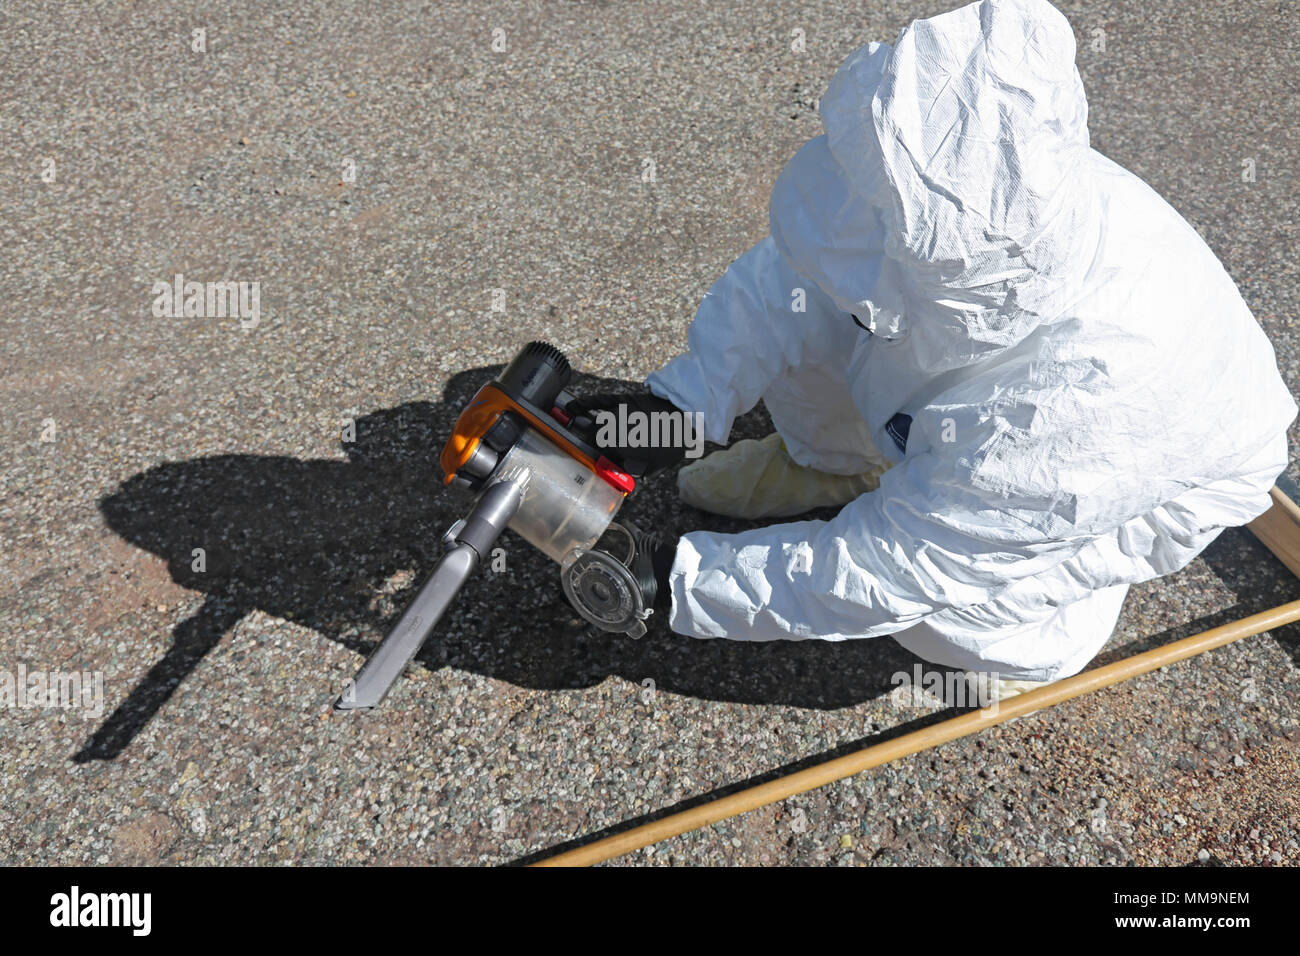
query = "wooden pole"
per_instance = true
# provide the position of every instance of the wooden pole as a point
(1278, 529)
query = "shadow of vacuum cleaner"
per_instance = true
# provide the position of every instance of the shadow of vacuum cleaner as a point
(321, 542)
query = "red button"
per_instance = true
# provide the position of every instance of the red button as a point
(558, 414)
(616, 477)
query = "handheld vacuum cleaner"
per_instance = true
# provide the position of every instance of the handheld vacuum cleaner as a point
(535, 469)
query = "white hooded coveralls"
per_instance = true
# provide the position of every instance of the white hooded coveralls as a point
(1091, 400)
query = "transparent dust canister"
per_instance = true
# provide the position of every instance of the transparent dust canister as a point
(566, 505)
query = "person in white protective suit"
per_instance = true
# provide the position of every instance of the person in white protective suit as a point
(1052, 379)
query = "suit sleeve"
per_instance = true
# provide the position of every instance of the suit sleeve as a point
(760, 319)
(915, 546)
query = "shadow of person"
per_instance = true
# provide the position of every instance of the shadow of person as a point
(341, 546)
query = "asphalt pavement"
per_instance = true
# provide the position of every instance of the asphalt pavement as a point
(417, 189)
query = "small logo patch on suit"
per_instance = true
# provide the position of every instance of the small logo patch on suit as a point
(898, 428)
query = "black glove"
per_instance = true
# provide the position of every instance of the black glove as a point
(654, 561)
(661, 559)
(638, 438)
